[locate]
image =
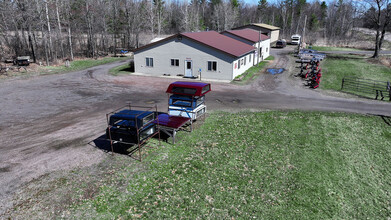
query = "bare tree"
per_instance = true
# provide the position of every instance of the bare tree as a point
(379, 16)
(59, 31)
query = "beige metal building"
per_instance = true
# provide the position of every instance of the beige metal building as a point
(272, 31)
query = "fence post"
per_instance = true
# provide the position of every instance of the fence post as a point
(343, 81)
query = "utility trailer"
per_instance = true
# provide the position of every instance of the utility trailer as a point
(308, 54)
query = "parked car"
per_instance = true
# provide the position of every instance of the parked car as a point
(22, 61)
(281, 43)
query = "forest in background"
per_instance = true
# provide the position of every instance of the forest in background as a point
(51, 30)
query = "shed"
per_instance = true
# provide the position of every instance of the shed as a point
(272, 31)
(253, 38)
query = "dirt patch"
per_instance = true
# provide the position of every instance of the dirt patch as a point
(5, 169)
(89, 74)
(85, 93)
(385, 61)
(60, 144)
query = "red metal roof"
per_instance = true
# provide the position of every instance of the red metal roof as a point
(220, 42)
(193, 88)
(248, 34)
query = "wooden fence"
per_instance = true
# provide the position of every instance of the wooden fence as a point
(379, 89)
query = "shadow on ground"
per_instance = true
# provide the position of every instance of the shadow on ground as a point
(104, 144)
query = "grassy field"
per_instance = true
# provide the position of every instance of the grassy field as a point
(80, 65)
(119, 70)
(267, 165)
(322, 48)
(337, 67)
(74, 66)
(252, 72)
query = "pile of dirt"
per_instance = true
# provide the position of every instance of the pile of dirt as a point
(386, 61)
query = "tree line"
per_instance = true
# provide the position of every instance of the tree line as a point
(49, 30)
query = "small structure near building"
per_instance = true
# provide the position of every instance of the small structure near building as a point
(271, 31)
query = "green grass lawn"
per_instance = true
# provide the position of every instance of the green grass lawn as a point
(337, 67)
(252, 72)
(80, 65)
(270, 58)
(119, 70)
(323, 48)
(267, 165)
(75, 66)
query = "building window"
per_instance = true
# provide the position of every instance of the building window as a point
(245, 58)
(249, 58)
(266, 49)
(238, 64)
(174, 62)
(212, 66)
(149, 61)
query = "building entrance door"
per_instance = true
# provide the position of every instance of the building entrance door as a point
(188, 68)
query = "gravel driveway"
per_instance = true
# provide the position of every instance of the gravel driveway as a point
(47, 121)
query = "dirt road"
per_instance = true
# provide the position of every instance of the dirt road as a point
(47, 121)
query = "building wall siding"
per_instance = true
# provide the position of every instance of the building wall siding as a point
(275, 35)
(243, 67)
(185, 49)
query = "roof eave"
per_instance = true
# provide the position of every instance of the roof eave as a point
(154, 43)
(232, 55)
(240, 36)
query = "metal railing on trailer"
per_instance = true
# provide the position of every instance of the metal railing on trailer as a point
(379, 89)
(140, 142)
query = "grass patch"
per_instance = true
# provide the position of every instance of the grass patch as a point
(119, 70)
(270, 58)
(336, 68)
(250, 74)
(268, 165)
(322, 48)
(80, 65)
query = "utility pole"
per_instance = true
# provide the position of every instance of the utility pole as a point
(305, 23)
(259, 47)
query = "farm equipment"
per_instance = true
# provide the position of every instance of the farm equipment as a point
(310, 70)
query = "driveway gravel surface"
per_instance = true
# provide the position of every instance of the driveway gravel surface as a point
(47, 121)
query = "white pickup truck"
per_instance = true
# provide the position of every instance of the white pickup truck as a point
(295, 39)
